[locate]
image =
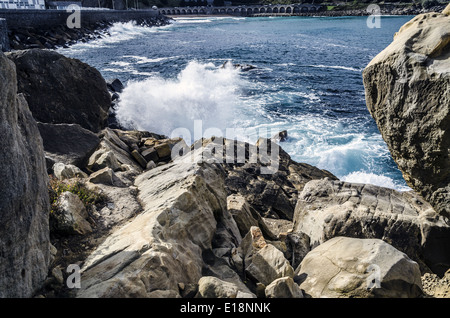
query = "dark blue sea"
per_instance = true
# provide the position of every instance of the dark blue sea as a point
(307, 79)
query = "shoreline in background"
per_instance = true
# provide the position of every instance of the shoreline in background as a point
(27, 29)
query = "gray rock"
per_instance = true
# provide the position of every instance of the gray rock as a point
(328, 208)
(63, 171)
(62, 90)
(259, 260)
(24, 202)
(102, 158)
(350, 267)
(58, 275)
(70, 215)
(150, 165)
(163, 245)
(111, 142)
(164, 294)
(283, 287)
(245, 216)
(267, 264)
(68, 143)
(408, 94)
(122, 204)
(106, 176)
(212, 287)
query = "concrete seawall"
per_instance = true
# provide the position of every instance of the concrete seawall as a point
(17, 19)
(4, 41)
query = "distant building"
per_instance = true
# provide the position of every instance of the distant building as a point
(61, 5)
(22, 4)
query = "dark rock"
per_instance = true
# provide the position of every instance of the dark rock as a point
(150, 155)
(68, 143)
(281, 136)
(136, 155)
(271, 194)
(24, 202)
(62, 90)
(115, 85)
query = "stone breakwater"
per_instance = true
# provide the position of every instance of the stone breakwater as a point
(49, 29)
(144, 215)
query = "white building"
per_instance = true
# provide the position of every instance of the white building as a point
(22, 4)
(62, 5)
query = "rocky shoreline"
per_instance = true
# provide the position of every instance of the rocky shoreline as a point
(21, 38)
(62, 36)
(144, 215)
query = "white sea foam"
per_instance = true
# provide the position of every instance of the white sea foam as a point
(199, 92)
(372, 178)
(118, 32)
(145, 60)
(120, 63)
(191, 20)
(338, 67)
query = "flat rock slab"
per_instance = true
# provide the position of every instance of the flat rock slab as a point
(161, 247)
(350, 267)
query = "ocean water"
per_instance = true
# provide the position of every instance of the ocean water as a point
(307, 79)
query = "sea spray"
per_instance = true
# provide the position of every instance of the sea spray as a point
(200, 92)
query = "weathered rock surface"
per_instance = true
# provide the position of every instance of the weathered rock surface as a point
(106, 176)
(435, 286)
(68, 143)
(259, 260)
(121, 204)
(70, 216)
(245, 216)
(164, 245)
(24, 201)
(212, 287)
(408, 94)
(328, 208)
(350, 267)
(283, 287)
(62, 90)
(63, 171)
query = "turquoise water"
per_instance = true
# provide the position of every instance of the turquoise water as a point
(307, 79)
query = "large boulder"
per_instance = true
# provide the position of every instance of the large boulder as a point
(259, 260)
(350, 267)
(24, 200)
(283, 287)
(329, 208)
(62, 90)
(408, 94)
(163, 247)
(70, 144)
